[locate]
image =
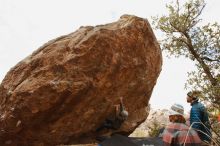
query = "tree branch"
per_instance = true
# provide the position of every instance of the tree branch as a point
(209, 59)
(199, 13)
(201, 62)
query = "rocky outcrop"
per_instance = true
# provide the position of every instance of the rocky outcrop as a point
(156, 120)
(63, 91)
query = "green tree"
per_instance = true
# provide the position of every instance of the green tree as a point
(154, 130)
(185, 36)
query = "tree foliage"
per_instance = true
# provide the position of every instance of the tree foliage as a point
(185, 36)
(154, 130)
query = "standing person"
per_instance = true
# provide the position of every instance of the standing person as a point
(177, 133)
(199, 118)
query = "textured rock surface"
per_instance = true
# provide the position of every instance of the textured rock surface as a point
(63, 91)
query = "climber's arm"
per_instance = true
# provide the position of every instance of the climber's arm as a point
(117, 110)
(121, 104)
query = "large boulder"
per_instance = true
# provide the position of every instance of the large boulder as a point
(63, 91)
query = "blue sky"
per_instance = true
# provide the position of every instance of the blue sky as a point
(25, 25)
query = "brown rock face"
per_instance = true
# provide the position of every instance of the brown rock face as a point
(63, 91)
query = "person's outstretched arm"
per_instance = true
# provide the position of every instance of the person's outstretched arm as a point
(121, 104)
(117, 112)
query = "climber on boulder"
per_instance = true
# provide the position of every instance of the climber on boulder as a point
(115, 123)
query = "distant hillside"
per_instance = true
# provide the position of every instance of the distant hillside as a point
(155, 116)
